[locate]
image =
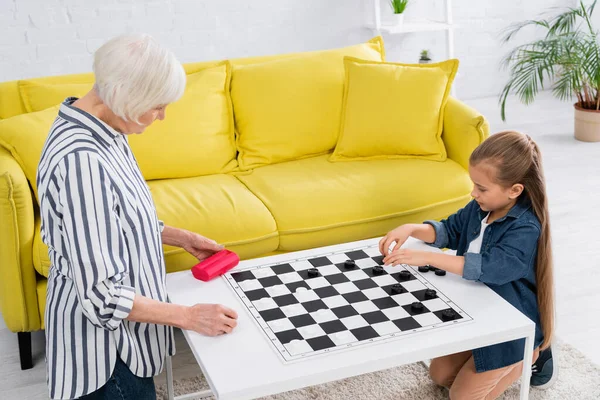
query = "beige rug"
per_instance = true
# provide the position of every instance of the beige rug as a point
(579, 379)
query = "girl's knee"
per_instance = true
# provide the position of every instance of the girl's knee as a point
(458, 392)
(439, 373)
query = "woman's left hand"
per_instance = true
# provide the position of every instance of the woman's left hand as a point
(201, 247)
(407, 256)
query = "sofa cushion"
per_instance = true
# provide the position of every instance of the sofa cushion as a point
(316, 202)
(24, 136)
(393, 110)
(195, 139)
(197, 136)
(38, 96)
(12, 104)
(11, 94)
(290, 108)
(217, 206)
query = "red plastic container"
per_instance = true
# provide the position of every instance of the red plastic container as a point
(215, 265)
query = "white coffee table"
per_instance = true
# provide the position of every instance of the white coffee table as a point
(243, 364)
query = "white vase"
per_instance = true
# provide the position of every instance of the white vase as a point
(398, 19)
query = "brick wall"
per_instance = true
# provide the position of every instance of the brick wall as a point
(49, 37)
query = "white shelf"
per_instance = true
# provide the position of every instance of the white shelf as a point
(380, 27)
(416, 26)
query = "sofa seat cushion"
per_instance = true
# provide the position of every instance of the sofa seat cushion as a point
(217, 206)
(316, 202)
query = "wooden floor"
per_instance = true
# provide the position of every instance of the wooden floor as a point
(573, 177)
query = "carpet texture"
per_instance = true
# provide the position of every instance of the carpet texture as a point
(579, 379)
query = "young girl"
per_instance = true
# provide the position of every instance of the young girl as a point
(502, 238)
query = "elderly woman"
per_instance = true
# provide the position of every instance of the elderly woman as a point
(108, 322)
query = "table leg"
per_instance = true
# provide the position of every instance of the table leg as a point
(196, 395)
(527, 361)
(170, 391)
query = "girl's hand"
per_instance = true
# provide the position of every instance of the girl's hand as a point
(407, 256)
(398, 235)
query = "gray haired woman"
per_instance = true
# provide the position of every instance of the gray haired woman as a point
(108, 322)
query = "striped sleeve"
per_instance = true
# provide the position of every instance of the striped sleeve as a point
(95, 243)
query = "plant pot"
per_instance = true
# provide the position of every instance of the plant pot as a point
(398, 19)
(587, 124)
(424, 60)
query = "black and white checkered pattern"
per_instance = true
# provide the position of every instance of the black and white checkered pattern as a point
(304, 316)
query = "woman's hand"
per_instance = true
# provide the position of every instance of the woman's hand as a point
(207, 319)
(407, 256)
(200, 247)
(398, 235)
(210, 319)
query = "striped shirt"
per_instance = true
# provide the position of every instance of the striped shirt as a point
(104, 243)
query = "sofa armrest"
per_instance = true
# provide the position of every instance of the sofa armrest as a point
(18, 296)
(464, 130)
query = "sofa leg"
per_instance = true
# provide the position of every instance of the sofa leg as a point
(25, 350)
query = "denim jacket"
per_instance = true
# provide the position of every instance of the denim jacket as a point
(506, 264)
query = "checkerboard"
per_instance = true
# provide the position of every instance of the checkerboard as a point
(316, 305)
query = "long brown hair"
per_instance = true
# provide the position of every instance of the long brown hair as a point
(518, 159)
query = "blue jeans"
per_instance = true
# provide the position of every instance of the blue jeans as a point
(124, 385)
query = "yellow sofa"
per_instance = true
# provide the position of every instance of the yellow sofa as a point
(259, 192)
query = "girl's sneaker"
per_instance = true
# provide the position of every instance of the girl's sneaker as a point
(543, 371)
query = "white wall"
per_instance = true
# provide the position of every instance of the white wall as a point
(595, 16)
(49, 37)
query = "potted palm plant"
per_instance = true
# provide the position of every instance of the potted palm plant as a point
(398, 6)
(568, 58)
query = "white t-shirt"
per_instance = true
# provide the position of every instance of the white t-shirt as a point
(475, 245)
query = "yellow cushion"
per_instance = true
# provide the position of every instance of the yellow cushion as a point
(217, 206)
(394, 110)
(39, 96)
(197, 136)
(11, 103)
(316, 202)
(11, 96)
(24, 136)
(290, 108)
(195, 139)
